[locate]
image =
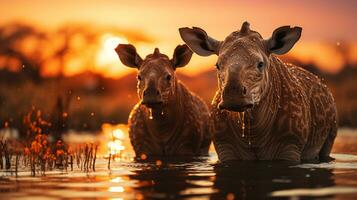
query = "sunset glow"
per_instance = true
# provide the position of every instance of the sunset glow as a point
(324, 29)
(328, 57)
(107, 60)
(162, 99)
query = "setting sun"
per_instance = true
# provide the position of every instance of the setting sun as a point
(107, 59)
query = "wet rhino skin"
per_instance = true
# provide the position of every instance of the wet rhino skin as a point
(185, 129)
(295, 121)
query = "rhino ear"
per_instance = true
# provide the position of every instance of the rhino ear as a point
(283, 39)
(182, 56)
(199, 42)
(128, 55)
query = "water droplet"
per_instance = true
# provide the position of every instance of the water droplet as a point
(243, 124)
(150, 114)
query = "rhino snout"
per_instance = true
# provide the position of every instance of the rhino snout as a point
(235, 106)
(235, 100)
(151, 96)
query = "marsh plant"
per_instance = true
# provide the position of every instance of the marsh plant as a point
(39, 154)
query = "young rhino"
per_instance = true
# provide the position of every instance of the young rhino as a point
(169, 119)
(265, 109)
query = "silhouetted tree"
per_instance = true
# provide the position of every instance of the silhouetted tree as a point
(11, 36)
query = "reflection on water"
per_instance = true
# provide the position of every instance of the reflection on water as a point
(251, 180)
(199, 178)
(327, 191)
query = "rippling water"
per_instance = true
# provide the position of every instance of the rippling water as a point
(200, 178)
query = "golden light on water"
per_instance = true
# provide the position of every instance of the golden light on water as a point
(118, 133)
(115, 147)
(117, 180)
(116, 141)
(116, 189)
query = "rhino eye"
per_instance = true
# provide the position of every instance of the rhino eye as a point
(217, 66)
(260, 66)
(139, 77)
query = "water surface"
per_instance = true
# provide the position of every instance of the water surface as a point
(199, 178)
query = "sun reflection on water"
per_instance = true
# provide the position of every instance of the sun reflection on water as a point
(118, 133)
(116, 142)
(118, 189)
(115, 147)
(117, 180)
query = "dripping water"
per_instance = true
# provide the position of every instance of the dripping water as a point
(150, 114)
(241, 115)
(242, 119)
(249, 141)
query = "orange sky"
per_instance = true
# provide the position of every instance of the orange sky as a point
(325, 23)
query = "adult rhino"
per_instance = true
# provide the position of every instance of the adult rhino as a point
(265, 109)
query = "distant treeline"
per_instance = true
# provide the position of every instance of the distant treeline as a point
(86, 101)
